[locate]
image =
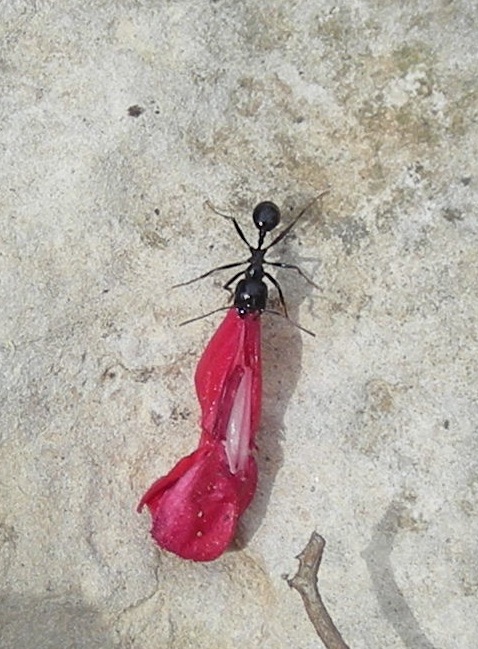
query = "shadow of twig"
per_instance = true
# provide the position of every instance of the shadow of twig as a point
(390, 598)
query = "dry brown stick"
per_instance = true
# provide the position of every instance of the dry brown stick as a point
(305, 583)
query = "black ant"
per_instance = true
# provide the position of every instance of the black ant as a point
(250, 294)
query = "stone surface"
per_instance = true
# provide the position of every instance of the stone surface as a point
(118, 121)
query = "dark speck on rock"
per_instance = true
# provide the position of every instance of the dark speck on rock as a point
(135, 111)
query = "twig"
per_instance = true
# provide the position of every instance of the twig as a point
(305, 583)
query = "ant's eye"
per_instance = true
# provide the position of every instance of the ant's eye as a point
(266, 216)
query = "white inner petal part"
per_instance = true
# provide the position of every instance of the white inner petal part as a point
(239, 425)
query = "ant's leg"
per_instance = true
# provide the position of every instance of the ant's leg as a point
(291, 225)
(210, 272)
(227, 285)
(216, 211)
(273, 281)
(236, 224)
(280, 264)
(241, 233)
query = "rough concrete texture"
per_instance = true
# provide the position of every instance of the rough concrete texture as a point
(118, 121)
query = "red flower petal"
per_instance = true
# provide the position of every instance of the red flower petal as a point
(196, 506)
(235, 345)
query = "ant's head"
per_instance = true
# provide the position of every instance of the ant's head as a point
(266, 216)
(250, 296)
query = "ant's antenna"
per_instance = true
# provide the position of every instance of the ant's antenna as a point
(294, 324)
(205, 315)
